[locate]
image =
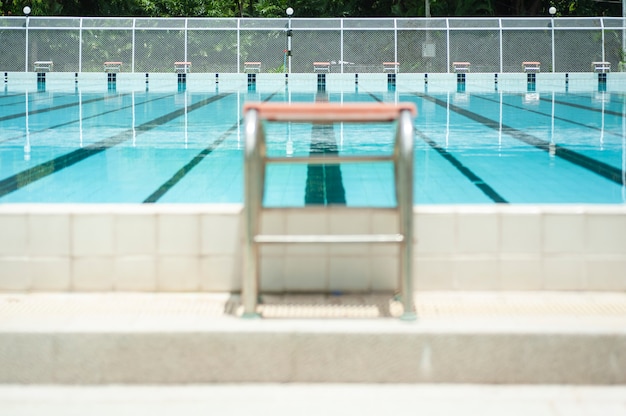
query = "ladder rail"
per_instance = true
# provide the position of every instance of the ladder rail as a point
(256, 160)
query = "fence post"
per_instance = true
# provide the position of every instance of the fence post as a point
(80, 46)
(341, 45)
(133, 48)
(26, 59)
(501, 53)
(186, 60)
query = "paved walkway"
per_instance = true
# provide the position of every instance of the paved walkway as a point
(314, 399)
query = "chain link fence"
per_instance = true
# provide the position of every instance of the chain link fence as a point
(418, 45)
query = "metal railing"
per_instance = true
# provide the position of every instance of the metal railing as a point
(350, 45)
(256, 159)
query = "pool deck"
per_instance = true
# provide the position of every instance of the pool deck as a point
(483, 353)
(315, 399)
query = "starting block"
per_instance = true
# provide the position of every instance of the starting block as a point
(393, 67)
(182, 67)
(601, 67)
(321, 66)
(531, 66)
(461, 67)
(252, 67)
(43, 66)
(112, 67)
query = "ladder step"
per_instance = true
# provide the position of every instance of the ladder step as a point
(343, 238)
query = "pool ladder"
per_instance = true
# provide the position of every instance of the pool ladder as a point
(256, 160)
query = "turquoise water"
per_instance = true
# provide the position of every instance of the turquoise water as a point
(187, 147)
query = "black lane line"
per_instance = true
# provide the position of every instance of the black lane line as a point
(583, 107)
(180, 174)
(464, 170)
(324, 183)
(605, 170)
(28, 176)
(566, 120)
(58, 107)
(56, 126)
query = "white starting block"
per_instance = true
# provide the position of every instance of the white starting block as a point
(43, 66)
(321, 66)
(601, 67)
(531, 66)
(112, 67)
(392, 67)
(182, 67)
(252, 66)
(461, 67)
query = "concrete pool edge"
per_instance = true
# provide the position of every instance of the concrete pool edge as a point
(198, 248)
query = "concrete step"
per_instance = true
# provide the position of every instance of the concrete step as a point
(459, 337)
(313, 399)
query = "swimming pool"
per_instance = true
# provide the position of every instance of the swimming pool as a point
(185, 146)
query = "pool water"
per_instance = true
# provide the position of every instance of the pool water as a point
(187, 147)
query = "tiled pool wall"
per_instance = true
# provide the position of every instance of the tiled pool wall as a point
(270, 82)
(195, 247)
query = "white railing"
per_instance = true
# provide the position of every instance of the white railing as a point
(216, 45)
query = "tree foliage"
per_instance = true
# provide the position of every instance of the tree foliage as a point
(308, 8)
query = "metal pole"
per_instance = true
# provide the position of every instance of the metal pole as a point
(552, 12)
(289, 12)
(404, 197)
(133, 57)
(80, 46)
(26, 11)
(252, 205)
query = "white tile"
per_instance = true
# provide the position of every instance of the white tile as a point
(178, 234)
(178, 273)
(350, 222)
(477, 233)
(15, 274)
(93, 235)
(606, 274)
(135, 234)
(386, 222)
(273, 222)
(520, 233)
(307, 222)
(521, 274)
(135, 273)
(349, 274)
(93, 273)
(14, 235)
(564, 273)
(563, 233)
(435, 233)
(477, 274)
(49, 235)
(606, 233)
(272, 273)
(384, 273)
(51, 274)
(221, 234)
(433, 274)
(220, 274)
(306, 273)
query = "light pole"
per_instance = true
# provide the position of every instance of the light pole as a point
(289, 12)
(26, 11)
(552, 11)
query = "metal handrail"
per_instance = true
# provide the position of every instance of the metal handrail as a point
(256, 160)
